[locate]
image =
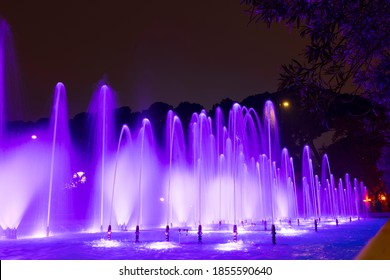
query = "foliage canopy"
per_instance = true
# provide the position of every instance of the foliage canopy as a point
(348, 47)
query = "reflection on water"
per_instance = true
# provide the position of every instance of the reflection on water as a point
(330, 242)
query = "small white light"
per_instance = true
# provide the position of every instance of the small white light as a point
(34, 137)
(162, 199)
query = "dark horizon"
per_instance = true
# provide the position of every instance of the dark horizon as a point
(146, 54)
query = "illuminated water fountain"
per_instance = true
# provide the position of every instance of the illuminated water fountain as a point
(215, 174)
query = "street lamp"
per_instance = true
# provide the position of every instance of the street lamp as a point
(285, 104)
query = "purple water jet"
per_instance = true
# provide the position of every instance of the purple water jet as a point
(103, 142)
(61, 149)
(124, 131)
(3, 30)
(214, 172)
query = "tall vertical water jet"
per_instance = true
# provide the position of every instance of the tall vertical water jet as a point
(180, 185)
(3, 30)
(295, 196)
(102, 136)
(60, 148)
(9, 81)
(170, 133)
(141, 160)
(310, 197)
(348, 198)
(286, 188)
(16, 153)
(104, 89)
(219, 128)
(195, 140)
(55, 109)
(203, 137)
(144, 130)
(364, 193)
(147, 188)
(235, 137)
(124, 131)
(271, 140)
(221, 163)
(327, 200)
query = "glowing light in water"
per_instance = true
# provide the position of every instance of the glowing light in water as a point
(34, 137)
(104, 243)
(292, 232)
(231, 246)
(161, 245)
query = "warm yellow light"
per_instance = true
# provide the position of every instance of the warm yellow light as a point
(286, 104)
(383, 197)
(367, 199)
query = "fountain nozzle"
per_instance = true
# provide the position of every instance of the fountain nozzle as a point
(109, 232)
(200, 233)
(235, 233)
(167, 233)
(137, 233)
(273, 232)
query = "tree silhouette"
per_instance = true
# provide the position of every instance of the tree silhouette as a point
(348, 47)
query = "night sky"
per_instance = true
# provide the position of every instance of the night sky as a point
(147, 51)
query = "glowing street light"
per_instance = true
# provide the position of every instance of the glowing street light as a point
(286, 104)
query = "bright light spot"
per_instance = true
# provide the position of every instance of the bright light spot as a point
(162, 199)
(82, 177)
(38, 234)
(291, 232)
(161, 245)
(286, 104)
(104, 243)
(231, 246)
(34, 137)
(78, 178)
(383, 197)
(90, 230)
(367, 199)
